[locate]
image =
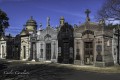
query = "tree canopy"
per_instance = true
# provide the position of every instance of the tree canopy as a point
(3, 22)
(110, 9)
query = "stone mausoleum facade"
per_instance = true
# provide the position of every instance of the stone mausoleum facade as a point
(47, 43)
(93, 44)
(89, 43)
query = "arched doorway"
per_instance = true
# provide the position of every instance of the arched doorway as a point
(48, 39)
(66, 52)
(48, 51)
(88, 53)
(33, 51)
(88, 36)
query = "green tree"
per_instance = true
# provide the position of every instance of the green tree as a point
(3, 22)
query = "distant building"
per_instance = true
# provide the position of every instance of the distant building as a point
(10, 47)
(3, 51)
(30, 27)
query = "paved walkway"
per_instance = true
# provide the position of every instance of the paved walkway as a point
(43, 71)
(84, 75)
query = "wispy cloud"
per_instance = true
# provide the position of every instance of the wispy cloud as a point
(68, 13)
(76, 14)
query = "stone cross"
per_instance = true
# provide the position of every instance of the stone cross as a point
(48, 21)
(40, 26)
(87, 13)
(31, 18)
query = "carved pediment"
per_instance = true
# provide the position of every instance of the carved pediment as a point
(47, 37)
(87, 32)
(88, 36)
(24, 41)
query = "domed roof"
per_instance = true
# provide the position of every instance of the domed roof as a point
(31, 22)
(24, 32)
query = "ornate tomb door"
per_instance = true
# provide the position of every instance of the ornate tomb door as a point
(88, 53)
(33, 52)
(66, 52)
(48, 51)
(24, 52)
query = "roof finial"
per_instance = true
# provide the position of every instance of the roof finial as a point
(87, 13)
(62, 20)
(31, 17)
(48, 21)
(40, 26)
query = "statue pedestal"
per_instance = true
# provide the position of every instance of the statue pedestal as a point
(99, 64)
(77, 62)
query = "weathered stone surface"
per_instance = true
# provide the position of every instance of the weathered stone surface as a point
(77, 62)
(99, 64)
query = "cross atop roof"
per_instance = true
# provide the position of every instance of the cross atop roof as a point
(87, 13)
(48, 21)
(31, 17)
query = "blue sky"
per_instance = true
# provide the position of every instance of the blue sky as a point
(19, 11)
